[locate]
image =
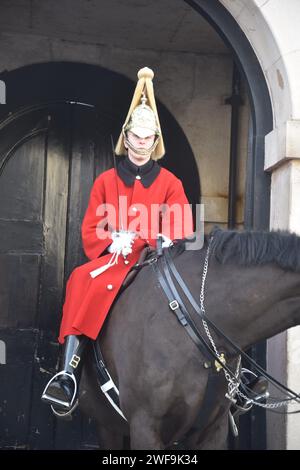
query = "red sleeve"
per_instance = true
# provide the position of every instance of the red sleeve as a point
(94, 230)
(177, 219)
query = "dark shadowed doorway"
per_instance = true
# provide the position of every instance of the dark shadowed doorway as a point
(54, 140)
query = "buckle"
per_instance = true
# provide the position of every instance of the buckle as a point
(173, 305)
(74, 361)
(218, 364)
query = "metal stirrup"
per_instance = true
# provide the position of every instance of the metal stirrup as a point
(56, 400)
(63, 414)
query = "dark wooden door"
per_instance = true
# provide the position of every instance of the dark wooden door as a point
(49, 157)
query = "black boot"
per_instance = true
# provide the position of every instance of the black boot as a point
(61, 390)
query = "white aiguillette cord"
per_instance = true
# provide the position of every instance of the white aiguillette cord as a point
(113, 260)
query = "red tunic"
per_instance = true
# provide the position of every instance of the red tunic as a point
(88, 299)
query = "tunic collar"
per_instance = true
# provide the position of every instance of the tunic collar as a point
(146, 173)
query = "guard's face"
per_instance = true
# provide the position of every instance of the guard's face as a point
(140, 142)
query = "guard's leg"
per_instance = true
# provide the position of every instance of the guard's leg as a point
(61, 391)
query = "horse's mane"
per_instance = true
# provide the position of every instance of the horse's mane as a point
(257, 247)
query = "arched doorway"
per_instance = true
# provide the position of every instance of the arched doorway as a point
(55, 139)
(257, 203)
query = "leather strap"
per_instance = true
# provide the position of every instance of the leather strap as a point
(179, 310)
(196, 307)
(185, 319)
(204, 413)
(173, 296)
(106, 383)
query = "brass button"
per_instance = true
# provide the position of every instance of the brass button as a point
(126, 261)
(137, 177)
(109, 287)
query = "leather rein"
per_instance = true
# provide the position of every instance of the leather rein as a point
(165, 269)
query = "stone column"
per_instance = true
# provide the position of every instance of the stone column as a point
(283, 159)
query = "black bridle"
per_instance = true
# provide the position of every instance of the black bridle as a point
(165, 269)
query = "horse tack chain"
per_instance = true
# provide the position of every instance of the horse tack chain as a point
(233, 384)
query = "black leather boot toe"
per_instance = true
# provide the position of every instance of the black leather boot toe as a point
(62, 389)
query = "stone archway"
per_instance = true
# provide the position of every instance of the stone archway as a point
(259, 33)
(236, 22)
(269, 28)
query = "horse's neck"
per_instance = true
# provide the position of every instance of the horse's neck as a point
(253, 303)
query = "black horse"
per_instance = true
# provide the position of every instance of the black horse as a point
(252, 293)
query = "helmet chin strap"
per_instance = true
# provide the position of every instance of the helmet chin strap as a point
(139, 151)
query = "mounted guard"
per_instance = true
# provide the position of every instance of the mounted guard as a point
(114, 235)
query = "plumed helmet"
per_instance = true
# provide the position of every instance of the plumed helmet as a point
(142, 118)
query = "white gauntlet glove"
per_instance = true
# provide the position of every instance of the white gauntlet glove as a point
(122, 242)
(121, 245)
(166, 240)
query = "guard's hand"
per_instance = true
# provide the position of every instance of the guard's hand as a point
(122, 242)
(166, 240)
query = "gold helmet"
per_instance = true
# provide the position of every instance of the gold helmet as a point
(142, 119)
